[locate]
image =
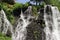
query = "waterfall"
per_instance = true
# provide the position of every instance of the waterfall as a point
(20, 31)
(4, 23)
(23, 22)
(52, 22)
(51, 18)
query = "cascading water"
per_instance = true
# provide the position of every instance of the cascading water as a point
(21, 31)
(52, 22)
(4, 23)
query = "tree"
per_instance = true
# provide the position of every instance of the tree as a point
(8, 1)
(47, 1)
(53, 2)
(37, 1)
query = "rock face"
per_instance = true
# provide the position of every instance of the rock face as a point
(35, 29)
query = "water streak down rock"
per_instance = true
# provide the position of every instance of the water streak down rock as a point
(52, 22)
(4, 23)
(21, 31)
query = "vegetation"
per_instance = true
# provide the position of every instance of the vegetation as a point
(34, 11)
(9, 9)
(12, 9)
(4, 37)
(8, 1)
(53, 2)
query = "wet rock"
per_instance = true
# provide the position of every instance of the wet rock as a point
(8, 33)
(35, 29)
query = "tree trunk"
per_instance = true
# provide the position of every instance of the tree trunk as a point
(36, 3)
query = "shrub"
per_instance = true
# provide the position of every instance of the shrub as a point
(34, 10)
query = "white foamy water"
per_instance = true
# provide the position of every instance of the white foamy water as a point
(5, 24)
(20, 31)
(23, 22)
(52, 22)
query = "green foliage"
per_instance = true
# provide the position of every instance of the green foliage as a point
(4, 37)
(8, 10)
(47, 1)
(34, 10)
(8, 1)
(56, 3)
(17, 5)
(26, 4)
(42, 4)
(36, 35)
(53, 2)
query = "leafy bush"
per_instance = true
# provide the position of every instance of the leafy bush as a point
(26, 4)
(8, 1)
(34, 10)
(53, 2)
(17, 5)
(8, 10)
